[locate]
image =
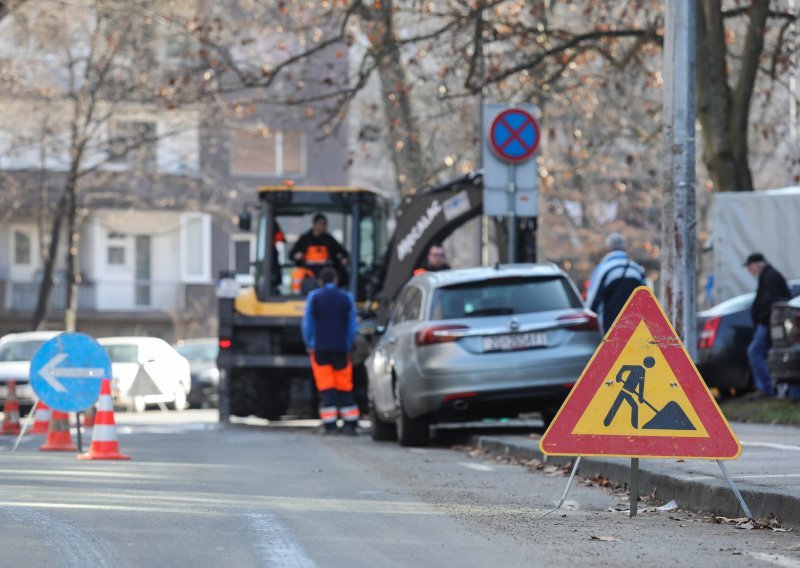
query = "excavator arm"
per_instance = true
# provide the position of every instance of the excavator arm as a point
(423, 219)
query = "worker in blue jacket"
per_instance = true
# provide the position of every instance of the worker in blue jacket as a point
(329, 328)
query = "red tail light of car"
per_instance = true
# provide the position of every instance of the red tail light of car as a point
(587, 321)
(438, 334)
(225, 343)
(709, 333)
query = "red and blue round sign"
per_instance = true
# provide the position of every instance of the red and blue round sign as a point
(514, 135)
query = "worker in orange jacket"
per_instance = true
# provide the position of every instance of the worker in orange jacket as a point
(314, 250)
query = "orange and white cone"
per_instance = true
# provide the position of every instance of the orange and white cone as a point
(41, 419)
(11, 411)
(59, 438)
(104, 438)
(89, 417)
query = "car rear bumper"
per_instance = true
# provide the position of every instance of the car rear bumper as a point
(784, 364)
(492, 392)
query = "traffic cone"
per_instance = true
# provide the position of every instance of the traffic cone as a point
(41, 419)
(89, 417)
(59, 438)
(11, 411)
(104, 438)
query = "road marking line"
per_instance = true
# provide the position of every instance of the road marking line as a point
(772, 446)
(477, 466)
(775, 559)
(276, 545)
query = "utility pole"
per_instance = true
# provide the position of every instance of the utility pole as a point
(678, 221)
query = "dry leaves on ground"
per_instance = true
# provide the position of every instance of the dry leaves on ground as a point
(770, 523)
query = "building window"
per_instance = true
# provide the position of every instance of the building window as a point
(22, 248)
(196, 247)
(133, 143)
(115, 250)
(266, 152)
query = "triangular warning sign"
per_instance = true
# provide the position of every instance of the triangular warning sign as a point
(641, 396)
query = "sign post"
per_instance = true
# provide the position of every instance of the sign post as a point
(510, 175)
(641, 396)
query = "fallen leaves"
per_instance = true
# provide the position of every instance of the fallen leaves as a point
(743, 523)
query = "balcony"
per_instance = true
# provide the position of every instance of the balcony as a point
(139, 296)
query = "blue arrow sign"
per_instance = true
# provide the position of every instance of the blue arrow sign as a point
(66, 372)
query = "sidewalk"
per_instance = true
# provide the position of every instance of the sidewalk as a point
(767, 473)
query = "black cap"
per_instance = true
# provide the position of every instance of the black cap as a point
(755, 257)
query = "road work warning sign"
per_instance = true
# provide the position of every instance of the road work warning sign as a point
(641, 396)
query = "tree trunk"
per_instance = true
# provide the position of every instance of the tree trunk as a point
(403, 135)
(46, 286)
(71, 279)
(724, 112)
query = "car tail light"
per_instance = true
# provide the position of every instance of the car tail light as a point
(439, 334)
(225, 343)
(709, 333)
(586, 321)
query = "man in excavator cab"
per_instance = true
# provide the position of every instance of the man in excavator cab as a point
(435, 261)
(314, 250)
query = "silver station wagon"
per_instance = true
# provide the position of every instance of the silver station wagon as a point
(478, 343)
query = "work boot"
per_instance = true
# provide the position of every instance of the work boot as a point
(349, 429)
(328, 430)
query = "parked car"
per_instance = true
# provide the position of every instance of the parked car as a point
(147, 370)
(202, 357)
(724, 332)
(478, 343)
(16, 352)
(784, 357)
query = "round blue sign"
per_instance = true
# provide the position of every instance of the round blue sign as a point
(514, 135)
(66, 372)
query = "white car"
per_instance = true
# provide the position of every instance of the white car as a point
(147, 370)
(16, 352)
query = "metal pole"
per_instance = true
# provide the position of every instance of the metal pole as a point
(512, 214)
(25, 424)
(729, 479)
(678, 234)
(566, 489)
(481, 74)
(78, 427)
(634, 486)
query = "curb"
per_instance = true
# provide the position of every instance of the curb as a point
(714, 496)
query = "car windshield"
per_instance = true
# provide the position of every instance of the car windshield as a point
(122, 353)
(198, 351)
(503, 296)
(19, 350)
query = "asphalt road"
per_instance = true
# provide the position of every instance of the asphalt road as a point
(196, 494)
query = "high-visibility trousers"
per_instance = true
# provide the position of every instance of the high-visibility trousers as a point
(333, 375)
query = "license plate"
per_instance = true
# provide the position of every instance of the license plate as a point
(777, 332)
(514, 341)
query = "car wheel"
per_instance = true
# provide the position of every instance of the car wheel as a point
(139, 404)
(411, 431)
(381, 431)
(180, 402)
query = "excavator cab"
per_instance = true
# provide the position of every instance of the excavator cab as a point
(356, 218)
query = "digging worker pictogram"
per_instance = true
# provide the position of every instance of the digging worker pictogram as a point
(632, 386)
(329, 328)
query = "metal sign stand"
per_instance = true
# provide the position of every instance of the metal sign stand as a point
(78, 427)
(729, 479)
(566, 489)
(634, 487)
(25, 424)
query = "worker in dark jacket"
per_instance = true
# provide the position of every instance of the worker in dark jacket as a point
(772, 287)
(329, 328)
(435, 261)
